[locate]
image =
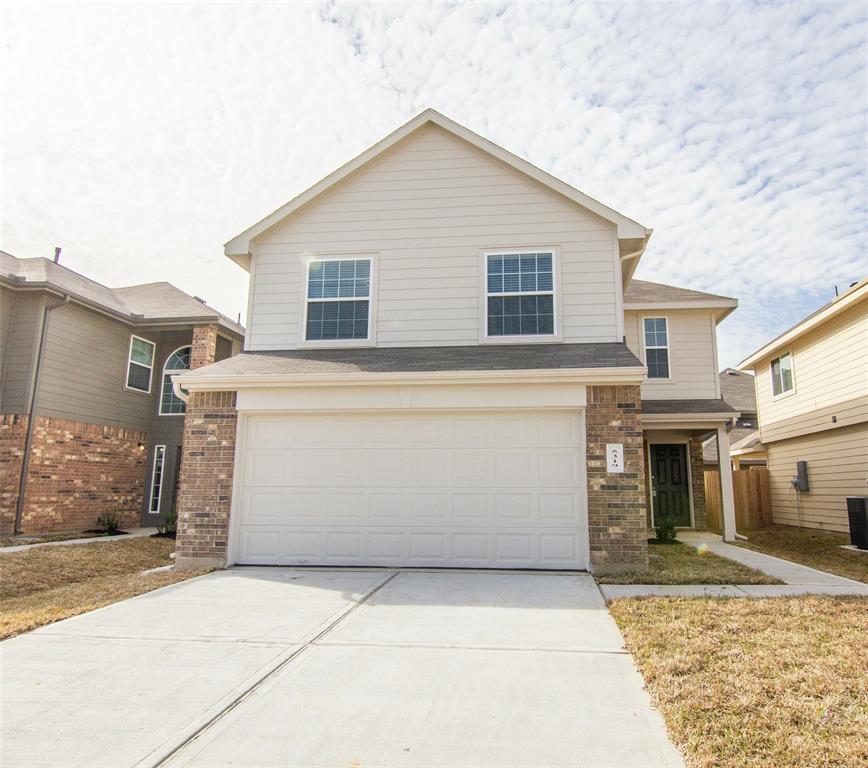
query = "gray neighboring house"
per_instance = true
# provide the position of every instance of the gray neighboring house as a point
(739, 390)
(89, 422)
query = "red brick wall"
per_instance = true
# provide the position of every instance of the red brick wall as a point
(206, 479)
(204, 346)
(13, 428)
(78, 471)
(697, 480)
(616, 502)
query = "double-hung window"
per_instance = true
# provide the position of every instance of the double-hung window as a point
(140, 364)
(520, 295)
(657, 347)
(782, 374)
(338, 300)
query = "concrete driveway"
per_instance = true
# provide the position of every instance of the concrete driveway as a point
(302, 667)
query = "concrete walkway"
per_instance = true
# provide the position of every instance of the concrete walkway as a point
(318, 667)
(798, 579)
(133, 533)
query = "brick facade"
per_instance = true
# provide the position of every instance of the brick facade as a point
(203, 349)
(697, 478)
(77, 471)
(617, 520)
(206, 480)
(13, 429)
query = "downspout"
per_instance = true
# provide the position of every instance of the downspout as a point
(31, 416)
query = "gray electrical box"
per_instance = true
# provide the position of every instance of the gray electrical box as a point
(802, 483)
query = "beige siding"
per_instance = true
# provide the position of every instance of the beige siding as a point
(693, 367)
(830, 367)
(837, 467)
(426, 209)
(83, 371)
(22, 331)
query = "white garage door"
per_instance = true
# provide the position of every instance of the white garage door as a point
(495, 489)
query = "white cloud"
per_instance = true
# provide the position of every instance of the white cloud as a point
(142, 137)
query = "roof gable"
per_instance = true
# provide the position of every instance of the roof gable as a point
(239, 247)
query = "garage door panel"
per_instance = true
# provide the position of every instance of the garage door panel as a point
(482, 489)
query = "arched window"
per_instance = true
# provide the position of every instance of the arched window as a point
(177, 362)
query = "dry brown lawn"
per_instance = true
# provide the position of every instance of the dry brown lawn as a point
(682, 564)
(756, 683)
(46, 584)
(817, 549)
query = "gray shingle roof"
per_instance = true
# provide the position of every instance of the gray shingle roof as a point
(665, 407)
(153, 301)
(737, 388)
(736, 435)
(425, 359)
(644, 292)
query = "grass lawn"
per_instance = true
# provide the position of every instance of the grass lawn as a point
(818, 549)
(682, 564)
(755, 683)
(42, 585)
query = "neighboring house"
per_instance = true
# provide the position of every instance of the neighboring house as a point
(812, 396)
(745, 448)
(94, 365)
(446, 366)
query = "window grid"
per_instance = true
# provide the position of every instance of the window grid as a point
(338, 300)
(177, 362)
(656, 347)
(157, 479)
(140, 364)
(520, 294)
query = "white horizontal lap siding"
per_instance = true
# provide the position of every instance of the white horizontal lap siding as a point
(427, 209)
(692, 366)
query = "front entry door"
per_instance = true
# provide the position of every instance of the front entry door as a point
(670, 489)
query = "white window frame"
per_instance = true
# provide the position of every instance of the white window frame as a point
(542, 338)
(303, 341)
(161, 449)
(176, 370)
(792, 389)
(667, 347)
(149, 367)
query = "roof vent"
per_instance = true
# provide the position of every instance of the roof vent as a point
(200, 299)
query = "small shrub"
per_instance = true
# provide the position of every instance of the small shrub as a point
(108, 522)
(665, 529)
(168, 524)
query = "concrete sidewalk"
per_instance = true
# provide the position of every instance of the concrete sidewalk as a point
(133, 533)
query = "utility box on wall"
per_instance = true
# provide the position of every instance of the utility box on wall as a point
(801, 479)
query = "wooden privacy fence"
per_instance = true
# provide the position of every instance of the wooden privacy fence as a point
(753, 504)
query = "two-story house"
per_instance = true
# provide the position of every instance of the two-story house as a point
(812, 398)
(448, 363)
(89, 419)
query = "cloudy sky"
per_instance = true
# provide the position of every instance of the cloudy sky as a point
(141, 137)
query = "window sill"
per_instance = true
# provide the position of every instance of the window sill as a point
(336, 344)
(547, 339)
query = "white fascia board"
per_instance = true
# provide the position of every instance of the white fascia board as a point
(238, 248)
(855, 295)
(725, 307)
(688, 418)
(225, 382)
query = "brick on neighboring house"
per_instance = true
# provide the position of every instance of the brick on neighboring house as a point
(13, 430)
(617, 522)
(205, 495)
(203, 348)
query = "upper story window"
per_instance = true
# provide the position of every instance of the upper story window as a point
(520, 295)
(657, 347)
(338, 300)
(782, 374)
(177, 362)
(140, 364)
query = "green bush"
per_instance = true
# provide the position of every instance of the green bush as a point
(665, 529)
(108, 522)
(168, 524)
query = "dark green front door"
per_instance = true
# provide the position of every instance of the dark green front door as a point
(670, 489)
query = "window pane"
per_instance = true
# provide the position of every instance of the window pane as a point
(786, 372)
(142, 352)
(156, 484)
(139, 378)
(179, 360)
(169, 404)
(349, 278)
(776, 376)
(333, 320)
(655, 332)
(520, 315)
(658, 363)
